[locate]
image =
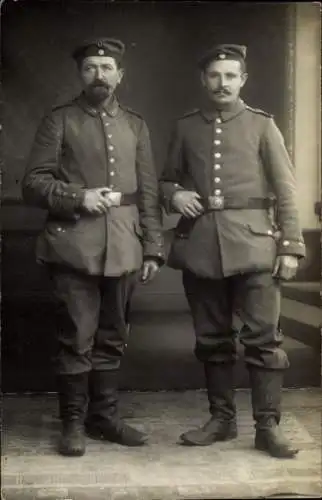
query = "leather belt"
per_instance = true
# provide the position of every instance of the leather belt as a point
(222, 203)
(129, 199)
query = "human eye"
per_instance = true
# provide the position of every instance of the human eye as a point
(107, 67)
(89, 68)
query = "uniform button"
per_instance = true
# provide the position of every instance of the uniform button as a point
(217, 142)
(59, 229)
(217, 192)
(109, 136)
(107, 124)
(217, 155)
(111, 148)
(160, 254)
(176, 185)
(111, 186)
(112, 173)
(73, 195)
(217, 166)
(218, 120)
(286, 243)
(217, 179)
(112, 160)
(103, 114)
(269, 232)
(218, 130)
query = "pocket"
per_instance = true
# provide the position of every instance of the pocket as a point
(56, 227)
(258, 229)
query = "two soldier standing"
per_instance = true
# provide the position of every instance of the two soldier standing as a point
(92, 168)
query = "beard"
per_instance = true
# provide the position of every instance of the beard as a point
(97, 92)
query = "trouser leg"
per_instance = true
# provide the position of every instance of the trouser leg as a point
(103, 420)
(211, 308)
(79, 304)
(259, 296)
(77, 318)
(113, 324)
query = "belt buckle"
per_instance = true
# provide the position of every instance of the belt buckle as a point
(216, 202)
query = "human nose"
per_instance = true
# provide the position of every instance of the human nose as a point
(222, 81)
(99, 73)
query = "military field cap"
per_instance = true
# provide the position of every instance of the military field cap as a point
(109, 47)
(222, 52)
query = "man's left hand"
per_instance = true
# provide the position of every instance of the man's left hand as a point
(285, 267)
(149, 270)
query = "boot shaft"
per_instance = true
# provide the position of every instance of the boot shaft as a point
(220, 385)
(103, 395)
(73, 395)
(266, 392)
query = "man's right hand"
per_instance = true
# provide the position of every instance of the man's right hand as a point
(94, 201)
(187, 204)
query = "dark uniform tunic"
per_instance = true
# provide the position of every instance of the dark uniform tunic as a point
(78, 147)
(237, 157)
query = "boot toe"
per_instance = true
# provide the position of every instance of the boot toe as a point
(71, 450)
(131, 437)
(272, 442)
(120, 433)
(72, 441)
(212, 431)
(195, 438)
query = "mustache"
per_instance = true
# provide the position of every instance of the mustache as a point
(222, 91)
(99, 83)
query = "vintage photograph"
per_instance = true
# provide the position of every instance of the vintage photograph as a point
(161, 250)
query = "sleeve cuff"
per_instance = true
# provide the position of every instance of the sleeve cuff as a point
(291, 247)
(154, 249)
(68, 201)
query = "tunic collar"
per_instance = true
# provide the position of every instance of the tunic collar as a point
(210, 113)
(111, 108)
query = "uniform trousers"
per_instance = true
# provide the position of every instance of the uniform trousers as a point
(92, 319)
(244, 306)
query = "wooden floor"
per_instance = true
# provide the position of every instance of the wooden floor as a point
(162, 469)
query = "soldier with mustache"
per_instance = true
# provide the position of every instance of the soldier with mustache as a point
(91, 167)
(227, 173)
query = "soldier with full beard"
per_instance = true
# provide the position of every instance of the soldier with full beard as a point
(92, 168)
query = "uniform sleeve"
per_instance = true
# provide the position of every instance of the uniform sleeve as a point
(281, 176)
(149, 198)
(41, 185)
(172, 174)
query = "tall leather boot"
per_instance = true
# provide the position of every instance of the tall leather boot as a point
(103, 421)
(72, 390)
(266, 386)
(222, 425)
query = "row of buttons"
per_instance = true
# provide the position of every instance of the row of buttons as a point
(110, 147)
(217, 155)
(112, 160)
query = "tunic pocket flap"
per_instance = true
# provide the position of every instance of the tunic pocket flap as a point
(260, 229)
